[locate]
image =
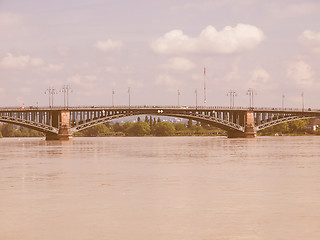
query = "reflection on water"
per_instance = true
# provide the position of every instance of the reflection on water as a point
(160, 188)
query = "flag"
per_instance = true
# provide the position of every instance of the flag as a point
(204, 70)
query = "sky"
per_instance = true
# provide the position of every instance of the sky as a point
(157, 48)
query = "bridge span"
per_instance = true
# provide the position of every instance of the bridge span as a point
(59, 123)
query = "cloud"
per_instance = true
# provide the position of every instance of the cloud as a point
(229, 40)
(179, 64)
(168, 81)
(259, 75)
(54, 67)
(134, 83)
(259, 78)
(311, 40)
(87, 81)
(8, 19)
(18, 62)
(108, 45)
(301, 73)
(25, 90)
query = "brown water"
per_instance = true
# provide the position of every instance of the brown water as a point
(185, 188)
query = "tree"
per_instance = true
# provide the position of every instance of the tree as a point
(138, 119)
(117, 127)
(159, 120)
(164, 129)
(97, 130)
(189, 123)
(7, 130)
(146, 119)
(151, 122)
(138, 129)
(180, 127)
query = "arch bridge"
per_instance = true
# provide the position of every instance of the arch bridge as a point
(60, 123)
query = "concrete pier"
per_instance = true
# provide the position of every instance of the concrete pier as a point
(64, 128)
(249, 132)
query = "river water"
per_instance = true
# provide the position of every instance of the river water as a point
(175, 188)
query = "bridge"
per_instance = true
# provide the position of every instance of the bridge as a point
(60, 123)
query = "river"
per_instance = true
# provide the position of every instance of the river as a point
(168, 188)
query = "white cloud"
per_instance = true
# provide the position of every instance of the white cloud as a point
(168, 81)
(108, 45)
(311, 40)
(134, 83)
(259, 75)
(8, 19)
(259, 78)
(25, 90)
(87, 81)
(54, 67)
(178, 63)
(229, 40)
(301, 73)
(18, 62)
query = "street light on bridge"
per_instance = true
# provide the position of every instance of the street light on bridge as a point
(232, 94)
(302, 98)
(196, 92)
(65, 90)
(178, 97)
(50, 91)
(251, 92)
(112, 97)
(129, 95)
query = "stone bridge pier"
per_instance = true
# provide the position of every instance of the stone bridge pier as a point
(249, 130)
(60, 120)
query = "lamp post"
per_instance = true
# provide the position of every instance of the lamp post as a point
(196, 92)
(302, 98)
(283, 96)
(129, 95)
(65, 90)
(50, 91)
(112, 97)
(251, 92)
(232, 94)
(178, 97)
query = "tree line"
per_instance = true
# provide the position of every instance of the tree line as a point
(8, 130)
(150, 127)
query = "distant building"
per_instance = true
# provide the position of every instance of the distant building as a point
(313, 126)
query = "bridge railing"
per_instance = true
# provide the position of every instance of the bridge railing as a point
(101, 107)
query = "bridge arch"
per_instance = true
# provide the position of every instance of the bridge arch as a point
(281, 120)
(214, 121)
(46, 129)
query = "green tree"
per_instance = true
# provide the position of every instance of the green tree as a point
(189, 123)
(97, 130)
(151, 122)
(180, 127)
(138, 129)
(146, 119)
(7, 130)
(138, 119)
(117, 127)
(164, 129)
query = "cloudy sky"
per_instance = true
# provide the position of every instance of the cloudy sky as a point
(158, 47)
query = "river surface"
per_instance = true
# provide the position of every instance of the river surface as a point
(175, 188)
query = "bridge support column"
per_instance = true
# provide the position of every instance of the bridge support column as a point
(249, 131)
(64, 128)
